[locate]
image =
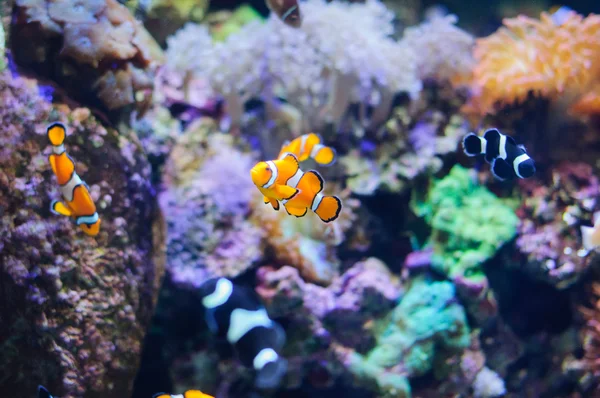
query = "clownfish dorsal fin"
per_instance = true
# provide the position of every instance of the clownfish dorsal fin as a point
(291, 161)
(314, 181)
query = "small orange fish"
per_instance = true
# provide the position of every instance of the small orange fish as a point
(310, 185)
(74, 190)
(187, 394)
(309, 145)
(271, 177)
(287, 10)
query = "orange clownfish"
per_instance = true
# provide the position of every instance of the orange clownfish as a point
(74, 190)
(309, 145)
(310, 185)
(187, 394)
(271, 177)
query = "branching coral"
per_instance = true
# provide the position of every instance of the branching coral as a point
(536, 55)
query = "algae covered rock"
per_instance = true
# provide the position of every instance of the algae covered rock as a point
(427, 325)
(94, 49)
(469, 224)
(73, 309)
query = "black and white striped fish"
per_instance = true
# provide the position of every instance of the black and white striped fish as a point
(236, 314)
(508, 159)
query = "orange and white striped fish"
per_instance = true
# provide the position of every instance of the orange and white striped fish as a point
(310, 196)
(271, 177)
(187, 394)
(75, 192)
(309, 145)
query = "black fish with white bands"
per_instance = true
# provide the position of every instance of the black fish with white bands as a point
(508, 159)
(236, 314)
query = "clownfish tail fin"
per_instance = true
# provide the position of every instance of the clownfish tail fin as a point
(473, 145)
(325, 155)
(57, 133)
(329, 208)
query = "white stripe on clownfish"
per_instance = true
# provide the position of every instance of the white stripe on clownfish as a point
(317, 201)
(68, 189)
(87, 219)
(293, 182)
(58, 149)
(518, 160)
(483, 144)
(265, 356)
(316, 150)
(274, 173)
(222, 292)
(242, 321)
(302, 144)
(502, 149)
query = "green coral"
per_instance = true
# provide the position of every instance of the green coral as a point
(469, 224)
(241, 16)
(428, 324)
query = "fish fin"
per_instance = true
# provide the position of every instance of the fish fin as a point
(279, 336)
(587, 237)
(325, 156)
(296, 211)
(60, 209)
(501, 170)
(510, 140)
(292, 161)
(266, 200)
(271, 374)
(43, 393)
(472, 144)
(161, 395)
(522, 147)
(275, 204)
(284, 192)
(52, 160)
(91, 229)
(492, 135)
(195, 394)
(57, 133)
(314, 181)
(329, 209)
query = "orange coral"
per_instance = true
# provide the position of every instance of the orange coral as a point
(535, 55)
(587, 105)
(591, 334)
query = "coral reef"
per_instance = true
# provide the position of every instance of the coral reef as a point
(468, 225)
(550, 219)
(2, 49)
(94, 49)
(539, 56)
(426, 326)
(591, 335)
(74, 309)
(207, 202)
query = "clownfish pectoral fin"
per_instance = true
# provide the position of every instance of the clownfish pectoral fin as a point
(59, 208)
(501, 170)
(285, 192)
(275, 204)
(329, 208)
(43, 393)
(52, 160)
(57, 133)
(296, 211)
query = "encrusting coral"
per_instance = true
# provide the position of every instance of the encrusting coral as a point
(74, 309)
(551, 60)
(550, 218)
(342, 54)
(92, 48)
(469, 224)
